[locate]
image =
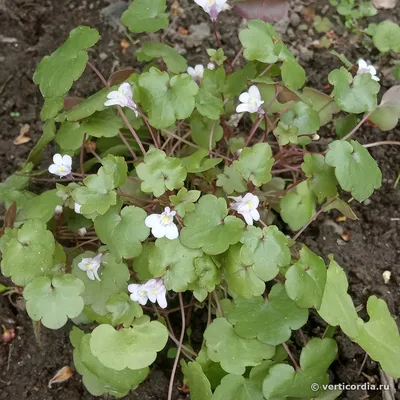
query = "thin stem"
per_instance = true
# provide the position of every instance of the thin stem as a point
(210, 143)
(81, 156)
(98, 73)
(320, 211)
(366, 116)
(171, 381)
(146, 121)
(254, 129)
(235, 60)
(217, 304)
(122, 137)
(214, 25)
(285, 346)
(130, 127)
(266, 69)
(393, 142)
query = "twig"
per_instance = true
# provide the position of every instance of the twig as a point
(98, 73)
(285, 346)
(122, 137)
(254, 129)
(146, 121)
(356, 127)
(362, 365)
(171, 381)
(240, 52)
(9, 357)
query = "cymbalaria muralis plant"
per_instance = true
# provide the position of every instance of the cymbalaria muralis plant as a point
(160, 202)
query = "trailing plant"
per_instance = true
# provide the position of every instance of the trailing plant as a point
(172, 185)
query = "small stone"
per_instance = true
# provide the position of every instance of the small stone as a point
(306, 54)
(282, 26)
(386, 277)
(295, 20)
(103, 56)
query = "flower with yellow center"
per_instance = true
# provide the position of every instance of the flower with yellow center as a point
(163, 224)
(247, 206)
(153, 290)
(250, 101)
(91, 266)
(62, 165)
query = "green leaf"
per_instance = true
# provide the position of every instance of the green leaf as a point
(303, 117)
(54, 301)
(49, 133)
(356, 98)
(146, 16)
(337, 307)
(173, 262)
(286, 134)
(231, 180)
(387, 115)
(141, 263)
(197, 163)
(343, 207)
(208, 275)
(70, 136)
(236, 81)
(97, 196)
(267, 249)
(114, 280)
(27, 252)
(235, 387)
(210, 228)
(233, 352)
(306, 279)
(239, 274)
(271, 320)
(209, 104)
(367, 9)
(165, 99)
(184, 200)
(122, 231)
(123, 310)
(160, 173)
(199, 385)
(322, 25)
(40, 207)
(201, 130)
(212, 370)
(387, 37)
(379, 337)
(293, 74)
(100, 380)
(346, 124)
(297, 208)
(356, 171)
(173, 60)
(282, 381)
(255, 163)
(217, 56)
(87, 107)
(132, 348)
(55, 74)
(321, 176)
(102, 124)
(258, 43)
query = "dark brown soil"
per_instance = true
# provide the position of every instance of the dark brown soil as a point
(39, 27)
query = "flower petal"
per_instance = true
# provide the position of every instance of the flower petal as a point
(67, 161)
(158, 231)
(152, 220)
(244, 107)
(171, 231)
(244, 97)
(199, 69)
(254, 92)
(161, 299)
(57, 159)
(53, 169)
(255, 215)
(90, 275)
(362, 64)
(113, 102)
(247, 218)
(191, 71)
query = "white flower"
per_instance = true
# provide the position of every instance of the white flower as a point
(58, 210)
(211, 66)
(196, 73)
(153, 290)
(122, 97)
(77, 208)
(91, 266)
(251, 101)
(163, 224)
(212, 7)
(247, 206)
(82, 232)
(62, 165)
(364, 68)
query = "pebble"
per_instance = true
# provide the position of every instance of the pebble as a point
(103, 56)
(306, 54)
(282, 26)
(295, 20)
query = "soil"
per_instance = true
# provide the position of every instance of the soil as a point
(29, 30)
